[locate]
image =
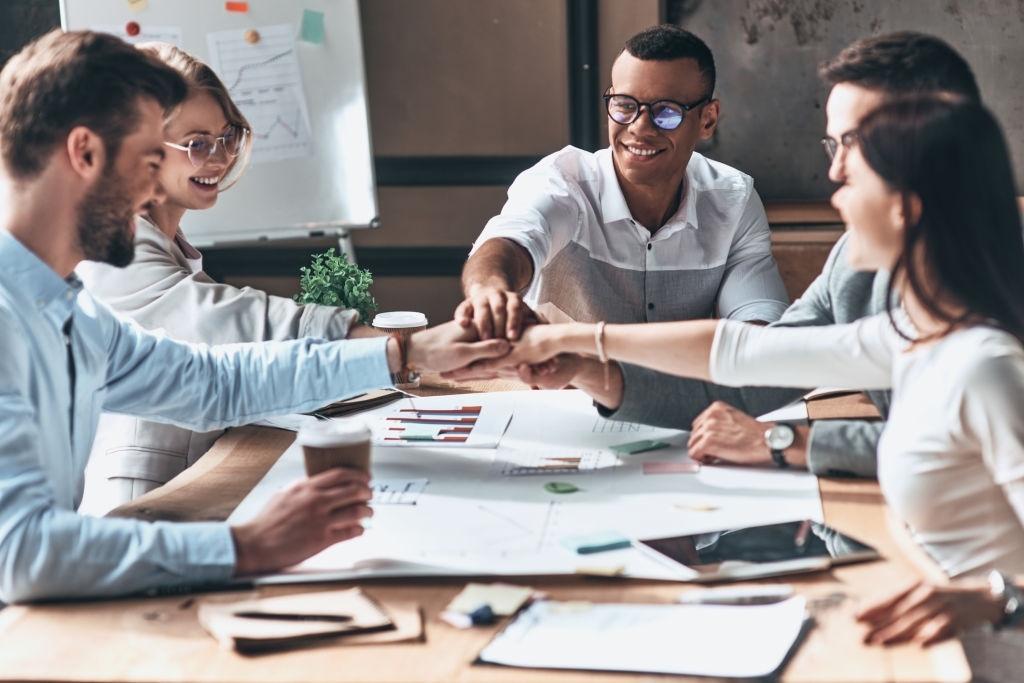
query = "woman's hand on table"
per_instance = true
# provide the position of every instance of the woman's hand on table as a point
(926, 613)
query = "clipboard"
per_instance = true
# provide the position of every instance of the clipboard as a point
(693, 640)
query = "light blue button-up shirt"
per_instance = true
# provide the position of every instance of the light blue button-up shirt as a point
(46, 549)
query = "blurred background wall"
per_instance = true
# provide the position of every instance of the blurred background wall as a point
(464, 94)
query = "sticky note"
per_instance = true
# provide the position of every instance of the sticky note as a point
(560, 487)
(596, 542)
(639, 446)
(504, 598)
(242, 7)
(600, 569)
(136, 5)
(671, 467)
(415, 432)
(311, 29)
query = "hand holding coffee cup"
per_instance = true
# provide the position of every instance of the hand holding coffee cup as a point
(335, 443)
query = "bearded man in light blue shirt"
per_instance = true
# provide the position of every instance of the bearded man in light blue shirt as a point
(81, 141)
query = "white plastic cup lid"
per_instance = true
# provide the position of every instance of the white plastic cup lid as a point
(334, 432)
(397, 319)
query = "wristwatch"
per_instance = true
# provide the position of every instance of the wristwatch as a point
(779, 438)
(1009, 596)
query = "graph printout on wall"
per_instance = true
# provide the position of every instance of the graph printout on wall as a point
(296, 72)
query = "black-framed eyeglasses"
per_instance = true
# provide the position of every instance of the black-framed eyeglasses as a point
(848, 140)
(665, 114)
(201, 147)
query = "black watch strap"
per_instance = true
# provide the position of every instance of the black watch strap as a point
(780, 458)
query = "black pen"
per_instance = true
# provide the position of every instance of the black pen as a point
(290, 616)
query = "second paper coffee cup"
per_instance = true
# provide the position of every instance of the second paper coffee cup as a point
(404, 323)
(335, 443)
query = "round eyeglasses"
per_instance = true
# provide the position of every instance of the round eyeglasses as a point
(847, 140)
(201, 147)
(665, 114)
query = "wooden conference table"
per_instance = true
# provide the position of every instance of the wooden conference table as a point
(159, 639)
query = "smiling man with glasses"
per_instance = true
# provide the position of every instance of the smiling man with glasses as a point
(644, 230)
(862, 76)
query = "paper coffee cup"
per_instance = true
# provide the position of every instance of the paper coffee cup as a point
(335, 443)
(403, 323)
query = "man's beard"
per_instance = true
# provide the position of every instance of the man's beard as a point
(105, 220)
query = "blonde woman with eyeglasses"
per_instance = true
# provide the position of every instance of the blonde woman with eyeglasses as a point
(207, 142)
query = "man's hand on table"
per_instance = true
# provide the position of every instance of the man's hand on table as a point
(724, 433)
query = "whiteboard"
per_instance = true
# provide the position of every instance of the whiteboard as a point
(311, 172)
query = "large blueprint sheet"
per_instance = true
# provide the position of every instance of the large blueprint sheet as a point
(474, 511)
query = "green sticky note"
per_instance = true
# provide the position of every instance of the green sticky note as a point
(596, 542)
(560, 487)
(311, 30)
(418, 432)
(639, 446)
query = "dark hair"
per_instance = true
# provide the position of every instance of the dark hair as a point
(966, 249)
(666, 42)
(903, 62)
(79, 78)
(200, 78)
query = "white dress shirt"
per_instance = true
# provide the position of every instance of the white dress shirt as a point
(594, 261)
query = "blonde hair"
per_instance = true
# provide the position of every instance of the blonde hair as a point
(202, 79)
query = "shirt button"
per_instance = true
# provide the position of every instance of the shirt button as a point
(40, 303)
(69, 295)
(650, 307)
(649, 246)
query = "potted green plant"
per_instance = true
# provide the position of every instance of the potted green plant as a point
(330, 280)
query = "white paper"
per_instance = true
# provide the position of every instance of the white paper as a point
(696, 640)
(398, 425)
(795, 412)
(265, 81)
(480, 516)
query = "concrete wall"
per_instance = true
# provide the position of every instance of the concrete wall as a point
(767, 52)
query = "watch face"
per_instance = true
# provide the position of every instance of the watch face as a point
(779, 437)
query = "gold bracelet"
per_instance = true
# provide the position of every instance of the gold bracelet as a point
(601, 355)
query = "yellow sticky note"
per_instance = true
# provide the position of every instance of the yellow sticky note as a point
(600, 569)
(504, 598)
(136, 5)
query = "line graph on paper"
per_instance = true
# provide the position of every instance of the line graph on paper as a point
(265, 81)
(397, 491)
(603, 426)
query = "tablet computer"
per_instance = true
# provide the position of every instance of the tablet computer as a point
(757, 551)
